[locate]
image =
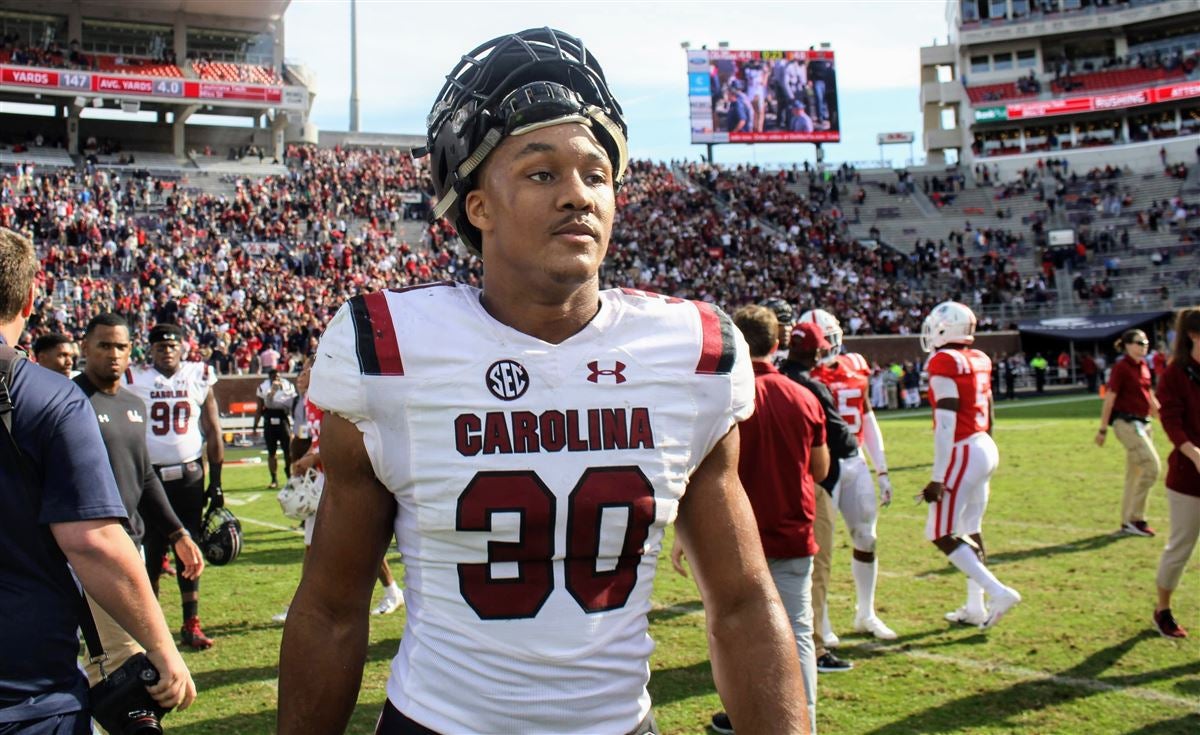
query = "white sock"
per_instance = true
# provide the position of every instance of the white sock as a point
(393, 590)
(865, 574)
(974, 596)
(968, 563)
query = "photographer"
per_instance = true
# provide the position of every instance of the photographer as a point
(276, 400)
(71, 510)
(106, 347)
(1179, 394)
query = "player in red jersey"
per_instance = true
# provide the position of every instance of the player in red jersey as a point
(848, 378)
(964, 458)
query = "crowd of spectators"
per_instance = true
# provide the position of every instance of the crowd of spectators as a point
(264, 266)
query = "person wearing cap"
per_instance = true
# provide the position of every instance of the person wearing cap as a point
(528, 443)
(182, 422)
(277, 398)
(783, 455)
(808, 344)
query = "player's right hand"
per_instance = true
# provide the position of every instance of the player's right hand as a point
(175, 688)
(1100, 437)
(677, 558)
(885, 491)
(189, 553)
(933, 492)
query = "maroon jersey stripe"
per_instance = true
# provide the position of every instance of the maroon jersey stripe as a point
(717, 349)
(387, 349)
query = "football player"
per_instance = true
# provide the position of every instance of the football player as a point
(848, 376)
(964, 458)
(527, 444)
(786, 316)
(182, 419)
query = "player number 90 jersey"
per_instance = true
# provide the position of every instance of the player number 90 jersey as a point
(173, 406)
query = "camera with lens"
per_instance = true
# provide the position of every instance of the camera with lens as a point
(121, 704)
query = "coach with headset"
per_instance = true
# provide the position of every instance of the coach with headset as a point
(60, 505)
(106, 347)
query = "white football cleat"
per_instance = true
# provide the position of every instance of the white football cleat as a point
(389, 604)
(967, 617)
(1001, 604)
(280, 617)
(875, 627)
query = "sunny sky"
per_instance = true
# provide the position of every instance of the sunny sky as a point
(406, 48)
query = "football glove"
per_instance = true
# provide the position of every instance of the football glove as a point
(216, 498)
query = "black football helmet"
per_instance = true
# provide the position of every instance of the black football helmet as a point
(783, 310)
(512, 85)
(221, 540)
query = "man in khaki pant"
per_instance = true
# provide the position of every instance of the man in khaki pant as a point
(122, 417)
(807, 344)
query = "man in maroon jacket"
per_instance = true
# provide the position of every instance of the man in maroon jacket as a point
(783, 457)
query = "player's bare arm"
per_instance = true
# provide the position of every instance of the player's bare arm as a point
(210, 423)
(818, 464)
(752, 648)
(259, 406)
(110, 569)
(325, 638)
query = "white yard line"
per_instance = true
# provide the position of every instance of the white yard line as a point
(909, 413)
(1016, 672)
(1020, 672)
(884, 512)
(268, 524)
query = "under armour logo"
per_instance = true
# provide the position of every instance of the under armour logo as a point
(617, 372)
(103, 417)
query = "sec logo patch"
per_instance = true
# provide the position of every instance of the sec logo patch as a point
(507, 379)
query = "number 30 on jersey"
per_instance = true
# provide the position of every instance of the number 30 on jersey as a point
(598, 490)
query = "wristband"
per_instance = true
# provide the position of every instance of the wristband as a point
(1102, 431)
(214, 474)
(180, 533)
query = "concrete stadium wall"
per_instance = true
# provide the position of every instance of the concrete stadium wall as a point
(907, 347)
(134, 136)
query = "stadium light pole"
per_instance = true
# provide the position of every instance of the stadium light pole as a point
(353, 67)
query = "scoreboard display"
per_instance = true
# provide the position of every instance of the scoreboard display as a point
(763, 96)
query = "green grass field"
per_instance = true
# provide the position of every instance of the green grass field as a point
(1077, 656)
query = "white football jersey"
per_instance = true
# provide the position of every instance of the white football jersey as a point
(534, 483)
(277, 398)
(173, 407)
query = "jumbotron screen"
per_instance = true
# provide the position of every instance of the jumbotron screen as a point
(762, 96)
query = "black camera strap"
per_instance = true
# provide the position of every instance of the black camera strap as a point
(11, 452)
